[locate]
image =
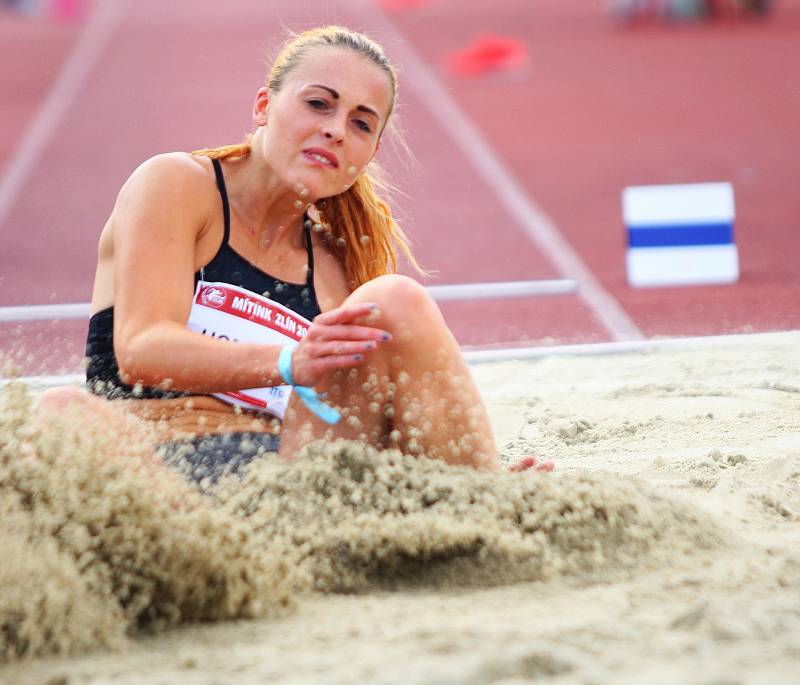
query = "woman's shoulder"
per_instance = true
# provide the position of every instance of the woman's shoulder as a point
(170, 178)
(175, 169)
(175, 188)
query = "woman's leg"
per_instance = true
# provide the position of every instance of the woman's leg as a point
(414, 392)
(90, 412)
(105, 420)
(120, 434)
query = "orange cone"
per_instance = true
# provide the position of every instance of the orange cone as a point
(400, 5)
(488, 53)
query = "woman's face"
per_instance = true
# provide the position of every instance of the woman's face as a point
(322, 128)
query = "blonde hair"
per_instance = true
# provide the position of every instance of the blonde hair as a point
(358, 223)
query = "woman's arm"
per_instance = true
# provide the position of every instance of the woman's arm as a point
(161, 213)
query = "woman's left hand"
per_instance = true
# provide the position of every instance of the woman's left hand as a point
(335, 341)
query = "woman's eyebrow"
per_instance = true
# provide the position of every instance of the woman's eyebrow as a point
(335, 96)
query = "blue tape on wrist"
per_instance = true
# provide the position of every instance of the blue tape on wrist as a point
(285, 364)
(309, 396)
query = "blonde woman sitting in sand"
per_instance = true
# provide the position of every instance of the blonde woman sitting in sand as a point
(228, 275)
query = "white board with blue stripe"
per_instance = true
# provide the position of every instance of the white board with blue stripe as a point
(680, 234)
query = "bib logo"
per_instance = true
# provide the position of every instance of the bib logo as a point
(213, 297)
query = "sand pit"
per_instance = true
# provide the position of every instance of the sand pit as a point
(665, 548)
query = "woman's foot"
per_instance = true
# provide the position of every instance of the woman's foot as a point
(529, 463)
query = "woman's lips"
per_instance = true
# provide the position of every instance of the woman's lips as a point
(321, 157)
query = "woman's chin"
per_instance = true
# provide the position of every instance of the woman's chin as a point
(307, 189)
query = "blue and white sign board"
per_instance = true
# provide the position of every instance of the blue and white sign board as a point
(680, 234)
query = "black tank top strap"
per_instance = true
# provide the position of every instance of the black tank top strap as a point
(223, 191)
(310, 253)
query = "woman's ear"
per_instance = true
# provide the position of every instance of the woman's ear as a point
(260, 106)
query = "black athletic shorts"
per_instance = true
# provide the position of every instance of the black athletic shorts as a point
(209, 457)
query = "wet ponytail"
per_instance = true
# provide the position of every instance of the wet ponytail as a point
(236, 151)
(359, 225)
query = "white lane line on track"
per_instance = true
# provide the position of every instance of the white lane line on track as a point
(627, 346)
(45, 312)
(465, 291)
(539, 227)
(530, 353)
(492, 291)
(90, 44)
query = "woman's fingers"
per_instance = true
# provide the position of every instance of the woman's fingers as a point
(324, 365)
(345, 332)
(335, 341)
(346, 313)
(311, 361)
(328, 347)
(338, 324)
(342, 347)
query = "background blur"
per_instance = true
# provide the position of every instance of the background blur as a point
(526, 119)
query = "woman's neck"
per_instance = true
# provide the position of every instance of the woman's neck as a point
(272, 212)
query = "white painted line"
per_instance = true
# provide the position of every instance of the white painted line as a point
(45, 312)
(466, 291)
(48, 119)
(469, 139)
(625, 346)
(44, 382)
(488, 291)
(529, 353)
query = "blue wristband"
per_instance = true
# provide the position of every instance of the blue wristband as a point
(309, 396)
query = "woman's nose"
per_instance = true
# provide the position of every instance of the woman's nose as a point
(332, 132)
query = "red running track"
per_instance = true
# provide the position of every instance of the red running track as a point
(596, 108)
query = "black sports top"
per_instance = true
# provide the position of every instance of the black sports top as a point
(227, 266)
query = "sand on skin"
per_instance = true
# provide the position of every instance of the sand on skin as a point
(665, 548)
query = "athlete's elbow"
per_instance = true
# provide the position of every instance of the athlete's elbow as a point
(137, 374)
(139, 364)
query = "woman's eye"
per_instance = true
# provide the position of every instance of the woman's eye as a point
(318, 104)
(363, 125)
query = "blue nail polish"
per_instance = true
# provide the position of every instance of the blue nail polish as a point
(386, 336)
(358, 357)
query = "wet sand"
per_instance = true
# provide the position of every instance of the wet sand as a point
(665, 548)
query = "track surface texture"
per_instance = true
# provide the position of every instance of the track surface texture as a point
(516, 174)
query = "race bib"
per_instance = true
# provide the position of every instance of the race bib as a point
(228, 312)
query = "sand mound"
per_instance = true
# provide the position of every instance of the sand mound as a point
(354, 519)
(632, 582)
(95, 547)
(104, 542)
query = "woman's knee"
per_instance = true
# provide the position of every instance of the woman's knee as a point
(399, 298)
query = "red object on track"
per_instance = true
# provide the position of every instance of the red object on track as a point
(67, 10)
(400, 5)
(488, 53)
